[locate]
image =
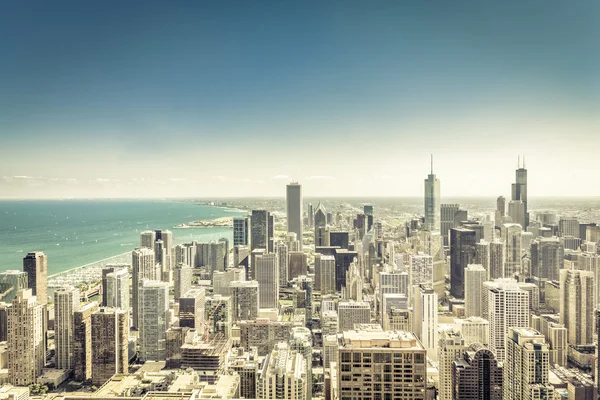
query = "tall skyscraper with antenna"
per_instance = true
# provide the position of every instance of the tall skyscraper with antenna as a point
(432, 201)
(519, 188)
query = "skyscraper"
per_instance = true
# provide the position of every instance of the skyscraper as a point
(496, 259)
(462, 253)
(117, 289)
(240, 231)
(511, 238)
(294, 210)
(301, 342)
(245, 296)
(508, 307)
(259, 228)
(432, 201)
(182, 280)
(477, 375)
(144, 267)
(475, 275)
(577, 305)
(395, 357)
(451, 346)
(526, 366)
(26, 339)
(426, 316)
(266, 271)
(421, 269)
(36, 266)
(353, 312)
(110, 340)
(82, 341)
(153, 319)
(283, 375)
(327, 274)
(501, 206)
(447, 220)
(547, 258)
(281, 249)
(66, 302)
(320, 223)
(519, 190)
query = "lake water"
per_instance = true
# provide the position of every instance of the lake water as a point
(77, 232)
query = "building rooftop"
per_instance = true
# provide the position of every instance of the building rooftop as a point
(379, 339)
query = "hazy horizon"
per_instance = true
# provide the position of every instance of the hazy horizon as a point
(193, 99)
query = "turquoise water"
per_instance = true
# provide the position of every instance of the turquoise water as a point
(78, 232)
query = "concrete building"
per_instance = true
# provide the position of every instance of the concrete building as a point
(294, 210)
(477, 375)
(496, 259)
(297, 264)
(266, 270)
(547, 255)
(66, 302)
(218, 314)
(36, 266)
(26, 337)
(82, 341)
(144, 266)
(447, 220)
(191, 308)
(110, 340)
(451, 347)
(426, 317)
(117, 289)
(508, 307)
(353, 312)
(421, 269)
(153, 320)
(526, 366)
(475, 275)
(577, 305)
(245, 300)
(283, 375)
(182, 279)
(281, 249)
(568, 226)
(396, 357)
(245, 363)
(301, 342)
(473, 329)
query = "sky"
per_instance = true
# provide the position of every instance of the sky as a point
(350, 98)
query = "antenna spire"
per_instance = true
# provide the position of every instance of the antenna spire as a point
(519, 161)
(524, 161)
(431, 164)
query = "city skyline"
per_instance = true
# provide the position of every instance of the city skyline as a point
(208, 102)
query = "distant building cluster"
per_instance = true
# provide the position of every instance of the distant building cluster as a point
(333, 301)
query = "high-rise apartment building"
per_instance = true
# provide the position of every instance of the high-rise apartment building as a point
(432, 202)
(266, 271)
(526, 366)
(508, 307)
(245, 295)
(477, 375)
(301, 342)
(451, 346)
(36, 266)
(110, 268)
(547, 258)
(245, 363)
(117, 289)
(475, 275)
(240, 231)
(577, 305)
(462, 253)
(26, 339)
(82, 341)
(283, 375)
(182, 280)
(398, 358)
(426, 316)
(496, 259)
(110, 339)
(144, 266)
(421, 269)
(294, 210)
(66, 302)
(153, 319)
(281, 249)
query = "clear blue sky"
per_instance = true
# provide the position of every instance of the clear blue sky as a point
(105, 98)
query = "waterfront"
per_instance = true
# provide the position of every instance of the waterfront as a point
(77, 232)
